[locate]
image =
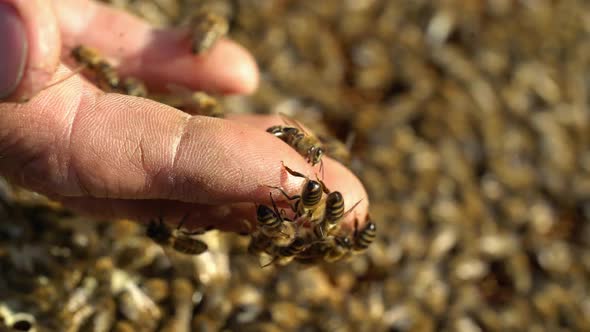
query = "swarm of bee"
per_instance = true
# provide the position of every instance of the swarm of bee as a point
(313, 233)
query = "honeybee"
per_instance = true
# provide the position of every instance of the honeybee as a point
(259, 243)
(330, 250)
(133, 87)
(308, 202)
(106, 76)
(283, 255)
(207, 29)
(337, 248)
(363, 238)
(178, 239)
(305, 143)
(194, 103)
(272, 224)
(334, 212)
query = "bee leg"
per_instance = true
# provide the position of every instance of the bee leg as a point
(292, 172)
(290, 198)
(322, 167)
(324, 187)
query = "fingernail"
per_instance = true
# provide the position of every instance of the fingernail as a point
(13, 49)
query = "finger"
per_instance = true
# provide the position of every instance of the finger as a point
(159, 57)
(30, 44)
(337, 176)
(74, 141)
(228, 217)
(231, 217)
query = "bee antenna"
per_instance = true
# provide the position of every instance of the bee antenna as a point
(322, 168)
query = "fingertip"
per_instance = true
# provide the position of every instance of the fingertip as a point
(243, 75)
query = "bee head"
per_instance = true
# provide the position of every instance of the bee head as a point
(370, 227)
(343, 242)
(316, 155)
(263, 211)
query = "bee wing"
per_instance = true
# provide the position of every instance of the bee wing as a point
(290, 121)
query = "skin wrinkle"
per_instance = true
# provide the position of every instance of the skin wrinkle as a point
(175, 149)
(72, 172)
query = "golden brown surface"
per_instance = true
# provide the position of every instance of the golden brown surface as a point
(471, 123)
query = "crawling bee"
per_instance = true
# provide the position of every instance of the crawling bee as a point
(337, 248)
(273, 225)
(305, 143)
(308, 205)
(207, 28)
(363, 238)
(333, 213)
(177, 239)
(330, 250)
(133, 87)
(106, 76)
(283, 255)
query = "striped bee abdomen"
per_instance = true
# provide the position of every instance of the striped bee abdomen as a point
(363, 238)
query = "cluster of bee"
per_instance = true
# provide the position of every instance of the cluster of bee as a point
(313, 233)
(107, 78)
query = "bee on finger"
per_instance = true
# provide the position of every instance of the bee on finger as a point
(304, 142)
(131, 86)
(106, 76)
(333, 214)
(272, 224)
(337, 248)
(283, 255)
(364, 237)
(308, 204)
(330, 249)
(206, 29)
(177, 239)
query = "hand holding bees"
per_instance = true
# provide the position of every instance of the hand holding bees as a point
(113, 155)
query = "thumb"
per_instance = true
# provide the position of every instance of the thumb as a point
(29, 47)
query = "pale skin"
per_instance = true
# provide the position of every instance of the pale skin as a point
(115, 156)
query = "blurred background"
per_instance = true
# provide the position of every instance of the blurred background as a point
(470, 121)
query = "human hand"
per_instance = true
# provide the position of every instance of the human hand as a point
(112, 155)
